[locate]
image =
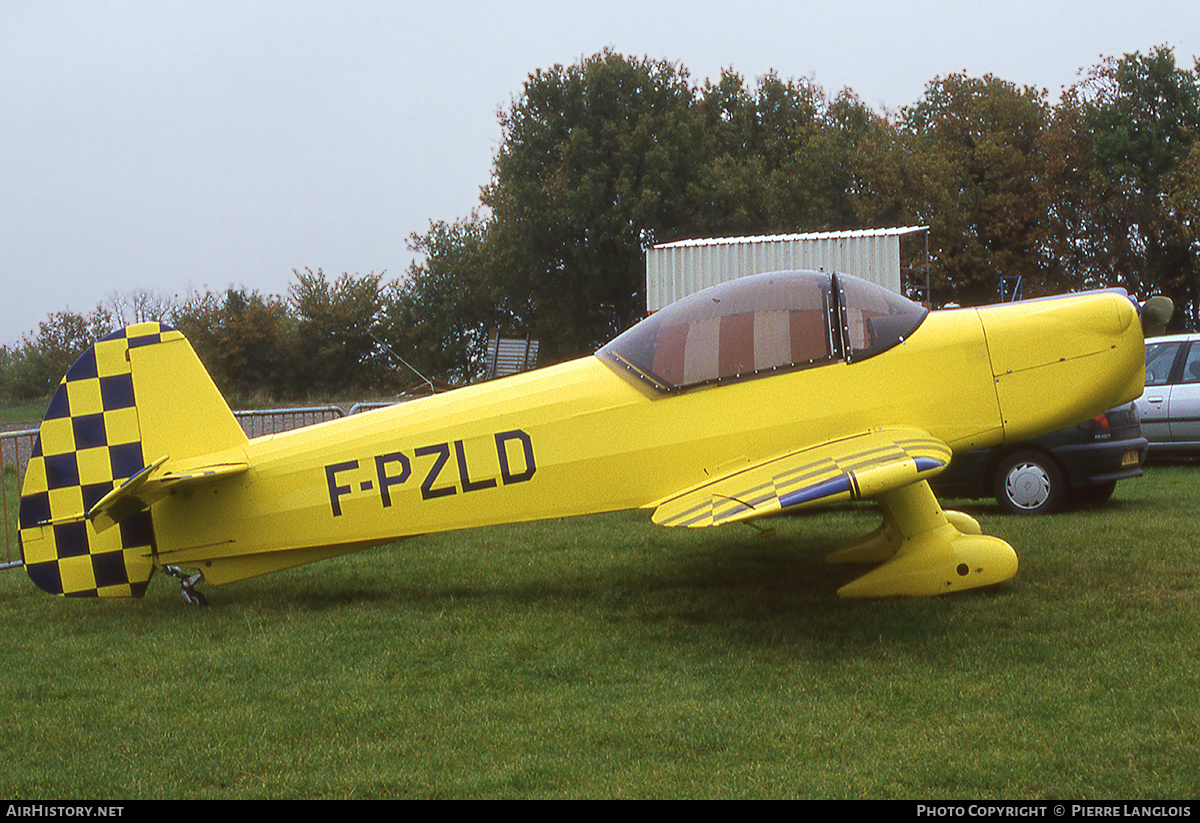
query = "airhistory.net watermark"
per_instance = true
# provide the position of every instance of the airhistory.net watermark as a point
(53, 810)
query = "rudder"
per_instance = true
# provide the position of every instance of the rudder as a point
(133, 397)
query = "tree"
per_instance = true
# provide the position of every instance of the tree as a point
(36, 366)
(1071, 191)
(779, 159)
(1144, 113)
(973, 166)
(881, 186)
(597, 163)
(729, 195)
(439, 316)
(807, 144)
(604, 158)
(245, 340)
(1182, 200)
(337, 331)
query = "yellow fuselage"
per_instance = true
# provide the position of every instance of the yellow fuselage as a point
(581, 437)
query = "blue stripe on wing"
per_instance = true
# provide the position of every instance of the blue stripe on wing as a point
(818, 491)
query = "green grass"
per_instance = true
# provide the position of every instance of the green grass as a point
(10, 486)
(606, 657)
(26, 413)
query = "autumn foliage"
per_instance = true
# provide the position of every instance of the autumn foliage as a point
(606, 157)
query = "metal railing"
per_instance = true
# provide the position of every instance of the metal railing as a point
(17, 446)
(358, 408)
(15, 449)
(258, 422)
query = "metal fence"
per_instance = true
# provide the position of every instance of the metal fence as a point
(258, 422)
(17, 446)
(15, 449)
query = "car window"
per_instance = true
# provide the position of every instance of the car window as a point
(1191, 365)
(1159, 359)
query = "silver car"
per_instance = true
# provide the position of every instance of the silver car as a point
(1169, 409)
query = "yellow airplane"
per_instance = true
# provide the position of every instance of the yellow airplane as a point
(758, 396)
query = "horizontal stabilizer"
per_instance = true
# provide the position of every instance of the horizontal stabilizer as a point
(150, 485)
(864, 465)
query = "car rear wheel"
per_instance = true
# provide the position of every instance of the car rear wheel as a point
(1029, 483)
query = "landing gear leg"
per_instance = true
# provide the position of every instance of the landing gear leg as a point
(187, 585)
(924, 550)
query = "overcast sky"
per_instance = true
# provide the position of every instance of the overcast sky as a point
(176, 146)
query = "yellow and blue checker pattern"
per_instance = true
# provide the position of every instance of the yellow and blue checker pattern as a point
(88, 443)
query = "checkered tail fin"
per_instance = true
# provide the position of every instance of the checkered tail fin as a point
(136, 402)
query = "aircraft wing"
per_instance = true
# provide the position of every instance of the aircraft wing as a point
(862, 465)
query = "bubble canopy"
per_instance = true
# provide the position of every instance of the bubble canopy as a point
(762, 324)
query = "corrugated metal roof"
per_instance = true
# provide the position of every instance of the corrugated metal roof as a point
(781, 238)
(675, 270)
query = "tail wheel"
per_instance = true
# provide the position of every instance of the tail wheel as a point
(194, 598)
(1029, 482)
(187, 585)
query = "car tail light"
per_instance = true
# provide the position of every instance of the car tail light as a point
(1097, 427)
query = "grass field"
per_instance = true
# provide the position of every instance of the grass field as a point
(26, 415)
(606, 657)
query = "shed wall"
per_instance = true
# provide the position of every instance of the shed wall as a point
(675, 270)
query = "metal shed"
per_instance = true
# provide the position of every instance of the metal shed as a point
(675, 270)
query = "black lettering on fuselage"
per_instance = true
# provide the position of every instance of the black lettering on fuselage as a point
(506, 473)
(336, 491)
(442, 450)
(386, 482)
(464, 475)
(514, 453)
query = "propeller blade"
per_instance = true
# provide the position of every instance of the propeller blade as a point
(1156, 313)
